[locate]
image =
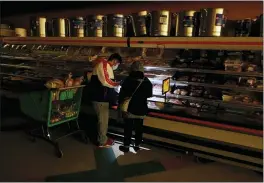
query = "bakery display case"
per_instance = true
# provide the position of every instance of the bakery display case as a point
(219, 85)
(215, 94)
(210, 84)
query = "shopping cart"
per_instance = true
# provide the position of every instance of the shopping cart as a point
(51, 108)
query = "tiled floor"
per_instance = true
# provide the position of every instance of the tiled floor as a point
(22, 160)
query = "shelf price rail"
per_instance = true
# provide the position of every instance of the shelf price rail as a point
(212, 43)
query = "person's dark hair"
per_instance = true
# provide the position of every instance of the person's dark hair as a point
(115, 56)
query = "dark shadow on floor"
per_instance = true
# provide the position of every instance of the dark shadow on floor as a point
(12, 119)
(89, 125)
(108, 169)
(11, 116)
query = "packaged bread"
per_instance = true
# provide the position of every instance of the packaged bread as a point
(198, 78)
(259, 84)
(233, 65)
(183, 78)
(251, 68)
(54, 83)
(16, 78)
(256, 102)
(196, 91)
(176, 101)
(227, 96)
(69, 81)
(78, 81)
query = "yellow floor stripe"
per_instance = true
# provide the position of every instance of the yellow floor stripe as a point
(200, 148)
(207, 149)
(236, 138)
(228, 162)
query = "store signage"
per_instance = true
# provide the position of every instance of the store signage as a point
(165, 86)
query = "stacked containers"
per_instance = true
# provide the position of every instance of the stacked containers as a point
(116, 24)
(183, 24)
(77, 27)
(96, 26)
(208, 22)
(6, 31)
(21, 32)
(211, 22)
(39, 27)
(160, 23)
(60, 27)
(141, 23)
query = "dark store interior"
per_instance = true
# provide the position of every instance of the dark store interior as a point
(203, 119)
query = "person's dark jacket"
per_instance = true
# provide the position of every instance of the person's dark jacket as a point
(138, 103)
(101, 86)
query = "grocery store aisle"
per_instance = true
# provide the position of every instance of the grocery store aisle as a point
(22, 160)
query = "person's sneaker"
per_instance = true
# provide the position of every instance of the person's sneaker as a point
(136, 148)
(108, 143)
(124, 148)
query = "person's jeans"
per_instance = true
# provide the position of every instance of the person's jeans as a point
(138, 127)
(102, 112)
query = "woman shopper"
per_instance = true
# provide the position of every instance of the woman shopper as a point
(134, 92)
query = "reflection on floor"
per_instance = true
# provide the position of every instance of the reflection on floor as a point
(22, 160)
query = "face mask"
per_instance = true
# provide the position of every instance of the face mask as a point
(115, 67)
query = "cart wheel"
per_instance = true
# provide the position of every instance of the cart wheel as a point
(59, 153)
(85, 139)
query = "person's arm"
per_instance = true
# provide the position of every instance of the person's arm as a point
(149, 91)
(105, 73)
(121, 94)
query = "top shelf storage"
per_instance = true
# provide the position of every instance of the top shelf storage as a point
(209, 43)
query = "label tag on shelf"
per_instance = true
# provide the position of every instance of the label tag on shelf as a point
(165, 86)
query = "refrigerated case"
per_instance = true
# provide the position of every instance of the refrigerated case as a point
(214, 107)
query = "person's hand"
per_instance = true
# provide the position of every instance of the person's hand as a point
(124, 114)
(117, 88)
(118, 83)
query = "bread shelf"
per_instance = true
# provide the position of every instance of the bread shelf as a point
(226, 87)
(148, 68)
(206, 71)
(215, 102)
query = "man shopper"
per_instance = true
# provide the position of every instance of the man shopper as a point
(102, 89)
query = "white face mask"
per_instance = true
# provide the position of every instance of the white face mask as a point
(115, 66)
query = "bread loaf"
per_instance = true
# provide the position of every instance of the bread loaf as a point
(54, 83)
(78, 81)
(69, 81)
